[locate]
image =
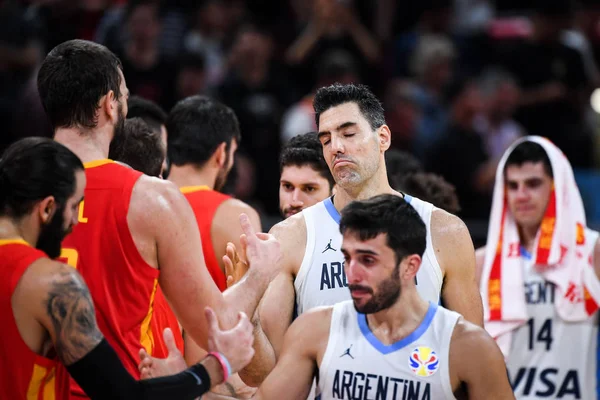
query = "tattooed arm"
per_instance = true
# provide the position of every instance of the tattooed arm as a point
(70, 316)
(59, 301)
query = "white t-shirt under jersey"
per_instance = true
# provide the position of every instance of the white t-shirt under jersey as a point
(321, 280)
(356, 365)
(551, 358)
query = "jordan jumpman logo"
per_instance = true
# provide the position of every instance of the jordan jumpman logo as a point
(328, 247)
(347, 353)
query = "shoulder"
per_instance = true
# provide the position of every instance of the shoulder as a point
(311, 326)
(46, 278)
(153, 194)
(450, 238)
(291, 234)
(231, 208)
(473, 342)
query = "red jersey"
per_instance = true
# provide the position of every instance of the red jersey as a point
(122, 284)
(205, 203)
(164, 317)
(25, 374)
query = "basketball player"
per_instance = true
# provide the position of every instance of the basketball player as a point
(387, 342)
(135, 232)
(354, 139)
(203, 138)
(547, 356)
(49, 325)
(139, 147)
(305, 177)
(155, 117)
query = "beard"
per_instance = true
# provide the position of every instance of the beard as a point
(287, 212)
(388, 292)
(120, 125)
(221, 178)
(52, 235)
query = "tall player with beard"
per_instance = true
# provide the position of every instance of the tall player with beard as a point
(48, 321)
(203, 138)
(135, 232)
(387, 342)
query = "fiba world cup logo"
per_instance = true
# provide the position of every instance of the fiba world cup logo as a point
(423, 361)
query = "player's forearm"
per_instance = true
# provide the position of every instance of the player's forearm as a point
(264, 358)
(244, 296)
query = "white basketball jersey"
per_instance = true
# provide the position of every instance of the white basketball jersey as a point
(321, 280)
(356, 365)
(551, 358)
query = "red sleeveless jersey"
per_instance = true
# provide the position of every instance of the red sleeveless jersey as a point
(122, 284)
(205, 202)
(25, 375)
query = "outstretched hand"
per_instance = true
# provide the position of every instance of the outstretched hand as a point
(151, 367)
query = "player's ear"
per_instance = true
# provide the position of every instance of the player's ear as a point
(46, 209)
(409, 266)
(221, 154)
(384, 136)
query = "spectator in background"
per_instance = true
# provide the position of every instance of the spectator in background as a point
(460, 156)
(335, 67)
(432, 65)
(21, 49)
(402, 112)
(335, 25)
(434, 20)
(155, 118)
(148, 74)
(258, 91)
(211, 24)
(191, 79)
(501, 95)
(140, 147)
(554, 82)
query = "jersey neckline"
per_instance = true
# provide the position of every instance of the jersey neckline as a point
(190, 189)
(390, 348)
(97, 163)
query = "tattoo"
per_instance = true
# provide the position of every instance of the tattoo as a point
(71, 310)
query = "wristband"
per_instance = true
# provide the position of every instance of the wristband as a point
(224, 364)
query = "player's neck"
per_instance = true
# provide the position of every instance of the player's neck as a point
(87, 145)
(527, 236)
(190, 175)
(372, 187)
(401, 319)
(9, 229)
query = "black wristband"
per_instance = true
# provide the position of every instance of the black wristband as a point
(189, 384)
(101, 375)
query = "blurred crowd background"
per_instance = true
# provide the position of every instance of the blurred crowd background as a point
(460, 80)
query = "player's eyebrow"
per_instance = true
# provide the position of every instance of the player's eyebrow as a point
(339, 128)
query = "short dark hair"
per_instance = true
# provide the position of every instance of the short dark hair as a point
(149, 111)
(428, 187)
(138, 146)
(197, 125)
(398, 162)
(32, 169)
(529, 151)
(388, 214)
(72, 80)
(306, 150)
(337, 94)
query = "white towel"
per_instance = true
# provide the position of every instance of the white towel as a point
(559, 254)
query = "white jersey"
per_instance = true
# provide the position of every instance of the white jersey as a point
(321, 280)
(356, 365)
(551, 358)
